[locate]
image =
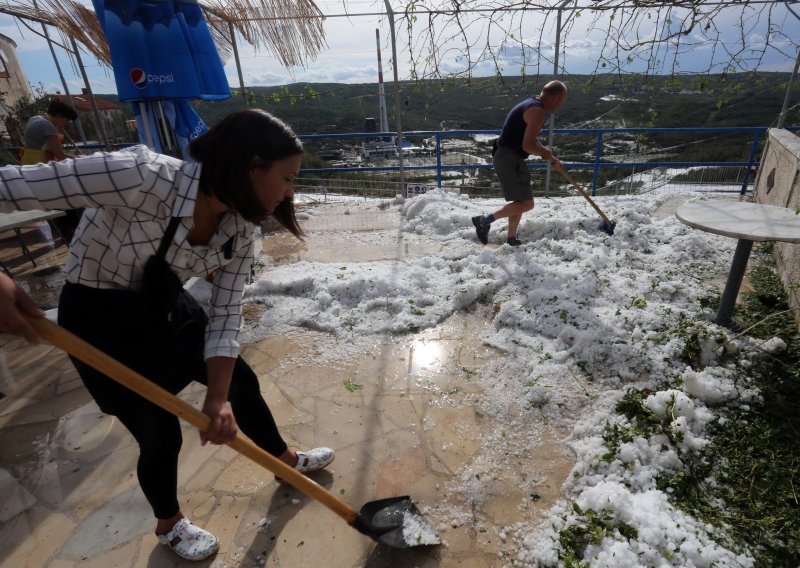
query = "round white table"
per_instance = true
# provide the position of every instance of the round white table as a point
(747, 222)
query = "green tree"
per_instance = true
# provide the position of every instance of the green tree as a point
(14, 117)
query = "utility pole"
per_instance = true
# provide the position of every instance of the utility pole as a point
(397, 99)
(381, 93)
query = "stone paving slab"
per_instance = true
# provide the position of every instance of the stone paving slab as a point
(67, 472)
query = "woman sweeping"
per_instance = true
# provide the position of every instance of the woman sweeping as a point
(151, 223)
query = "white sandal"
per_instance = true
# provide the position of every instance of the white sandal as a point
(314, 460)
(190, 542)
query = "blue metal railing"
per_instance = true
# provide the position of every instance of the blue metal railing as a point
(596, 165)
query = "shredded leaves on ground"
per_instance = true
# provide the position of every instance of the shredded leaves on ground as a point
(754, 454)
(352, 386)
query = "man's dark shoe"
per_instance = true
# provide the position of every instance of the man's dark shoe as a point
(481, 228)
(513, 242)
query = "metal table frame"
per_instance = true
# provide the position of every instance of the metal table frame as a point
(15, 220)
(747, 222)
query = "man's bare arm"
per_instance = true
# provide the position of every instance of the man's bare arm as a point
(534, 119)
(53, 145)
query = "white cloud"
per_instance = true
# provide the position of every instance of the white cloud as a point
(350, 55)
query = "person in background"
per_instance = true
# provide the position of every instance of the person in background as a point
(244, 172)
(43, 136)
(518, 139)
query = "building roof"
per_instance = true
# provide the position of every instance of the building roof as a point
(83, 102)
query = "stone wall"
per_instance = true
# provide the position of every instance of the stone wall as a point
(778, 184)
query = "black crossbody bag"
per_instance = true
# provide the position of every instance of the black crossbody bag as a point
(171, 307)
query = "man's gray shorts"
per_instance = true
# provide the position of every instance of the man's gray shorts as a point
(514, 175)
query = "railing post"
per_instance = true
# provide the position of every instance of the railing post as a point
(752, 157)
(438, 160)
(597, 151)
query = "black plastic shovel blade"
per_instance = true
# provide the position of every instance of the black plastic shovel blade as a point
(607, 228)
(384, 520)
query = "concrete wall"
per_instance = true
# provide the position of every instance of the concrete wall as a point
(779, 184)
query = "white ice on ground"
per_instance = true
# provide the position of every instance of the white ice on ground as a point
(572, 305)
(417, 531)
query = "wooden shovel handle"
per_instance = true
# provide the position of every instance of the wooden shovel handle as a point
(585, 194)
(92, 356)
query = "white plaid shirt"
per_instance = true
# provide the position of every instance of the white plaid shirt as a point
(130, 196)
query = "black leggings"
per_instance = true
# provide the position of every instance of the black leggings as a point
(113, 322)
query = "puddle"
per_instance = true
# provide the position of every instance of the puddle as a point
(406, 416)
(334, 233)
(283, 248)
(353, 216)
(441, 360)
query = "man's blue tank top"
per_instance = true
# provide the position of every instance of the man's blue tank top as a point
(514, 127)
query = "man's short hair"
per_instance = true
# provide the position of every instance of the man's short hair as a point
(62, 110)
(554, 88)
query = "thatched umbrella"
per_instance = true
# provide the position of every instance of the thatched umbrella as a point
(291, 30)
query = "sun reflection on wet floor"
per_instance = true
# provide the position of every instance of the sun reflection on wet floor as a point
(423, 355)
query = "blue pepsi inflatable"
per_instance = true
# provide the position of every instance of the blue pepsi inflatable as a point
(207, 64)
(161, 49)
(171, 125)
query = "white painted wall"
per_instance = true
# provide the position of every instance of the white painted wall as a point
(14, 86)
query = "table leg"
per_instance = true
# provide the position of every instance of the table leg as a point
(24, 248)
(735, 276)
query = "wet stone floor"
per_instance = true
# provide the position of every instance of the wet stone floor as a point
(408, 425)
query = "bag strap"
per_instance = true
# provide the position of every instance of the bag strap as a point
(169, 234)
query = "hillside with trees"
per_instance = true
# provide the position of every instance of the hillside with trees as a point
(598, 101)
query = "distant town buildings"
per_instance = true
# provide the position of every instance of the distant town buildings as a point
(377, 147)
(111, 114)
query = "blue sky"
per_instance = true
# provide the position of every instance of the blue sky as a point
(351, 53)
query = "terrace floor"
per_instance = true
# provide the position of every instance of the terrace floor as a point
(68, 491)
(409, 426)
